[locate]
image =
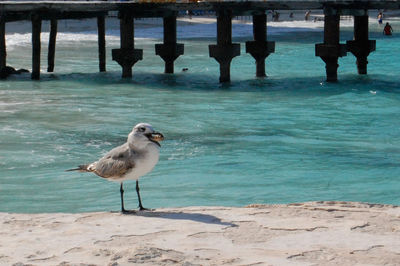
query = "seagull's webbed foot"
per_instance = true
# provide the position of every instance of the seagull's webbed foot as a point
(128, 211)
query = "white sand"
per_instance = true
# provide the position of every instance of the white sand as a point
(316, 233)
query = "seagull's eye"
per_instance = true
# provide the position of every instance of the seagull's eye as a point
(142, 129)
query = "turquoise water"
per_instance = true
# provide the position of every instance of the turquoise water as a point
(291, 137)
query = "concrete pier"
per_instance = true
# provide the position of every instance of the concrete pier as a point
(169, 51)
(331, 50)
(260, 48)
(127, 55)
(3, 53)
(361, 46)
(52, 45)
(101, 37)
(224, 51)
(36, 46)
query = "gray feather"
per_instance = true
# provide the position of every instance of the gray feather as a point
(116, 162)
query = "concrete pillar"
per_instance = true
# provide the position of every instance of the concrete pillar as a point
(127, 55)
(3, 52)
(260, 48)
(361, 47)
(101, 36)
(331, 50)
(36, 31)
(52, 45)
(225, 50)
(169, 51)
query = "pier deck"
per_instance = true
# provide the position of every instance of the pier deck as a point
(154, 7)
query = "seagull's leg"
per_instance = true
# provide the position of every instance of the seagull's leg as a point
(138, 194)
(121, 190)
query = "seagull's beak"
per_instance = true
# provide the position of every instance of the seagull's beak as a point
(155, 137)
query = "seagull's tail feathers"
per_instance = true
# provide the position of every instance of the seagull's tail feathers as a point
(81, 168)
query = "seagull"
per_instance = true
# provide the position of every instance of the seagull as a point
(130, 161)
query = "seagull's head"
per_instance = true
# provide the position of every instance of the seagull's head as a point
(142, 135)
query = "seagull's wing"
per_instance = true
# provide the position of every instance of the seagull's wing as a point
(115, 163)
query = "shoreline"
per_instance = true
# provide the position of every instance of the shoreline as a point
(323, 233)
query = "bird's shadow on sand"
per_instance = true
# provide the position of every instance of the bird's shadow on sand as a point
(196, 217)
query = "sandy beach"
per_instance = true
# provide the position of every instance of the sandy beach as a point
(313, 233)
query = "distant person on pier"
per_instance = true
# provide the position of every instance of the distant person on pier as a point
(307, 15)
(380, 18)
(275, 16)
(387, 30)
(189, 13)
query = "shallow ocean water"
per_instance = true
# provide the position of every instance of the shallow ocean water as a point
(291, 137)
